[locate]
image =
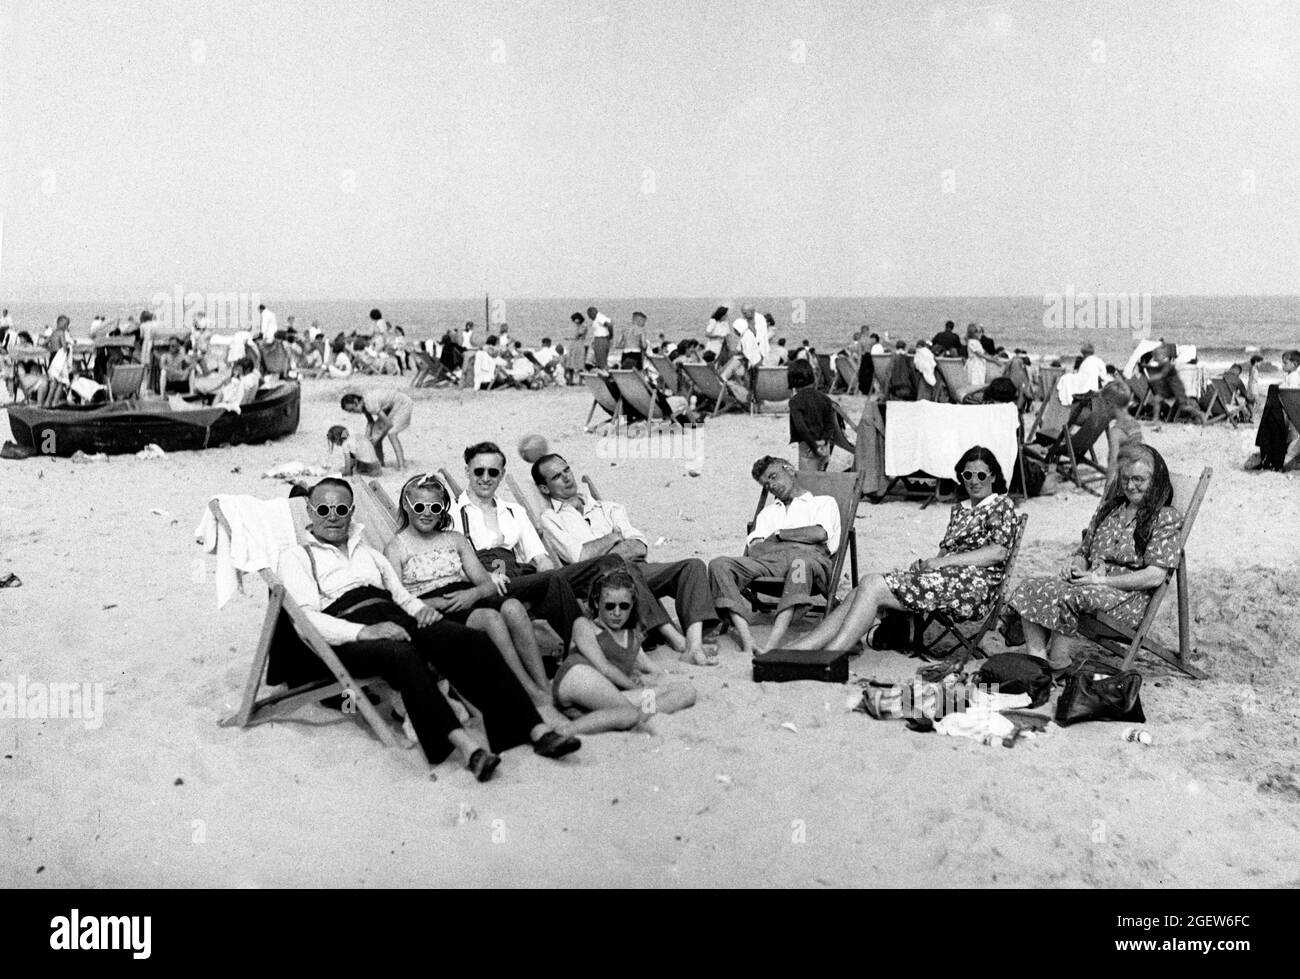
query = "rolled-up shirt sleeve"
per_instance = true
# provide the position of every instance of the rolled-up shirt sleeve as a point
(616, 513)
(301, 586)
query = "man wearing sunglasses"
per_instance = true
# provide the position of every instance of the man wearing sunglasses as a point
(580, 529)
(794, 537)
(355, 599)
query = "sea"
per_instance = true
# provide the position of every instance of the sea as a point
(1225, 329)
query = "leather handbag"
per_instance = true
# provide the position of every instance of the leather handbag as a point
(1095, 691)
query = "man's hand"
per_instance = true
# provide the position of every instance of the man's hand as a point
(427, 616)
(385, 630)
(500, 580)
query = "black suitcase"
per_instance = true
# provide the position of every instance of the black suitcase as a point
(780, 665)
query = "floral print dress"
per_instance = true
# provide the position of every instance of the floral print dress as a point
(1055, 604)
(963, 591)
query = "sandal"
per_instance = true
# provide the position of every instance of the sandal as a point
(483, 763)
(10, 580)
(555, 745)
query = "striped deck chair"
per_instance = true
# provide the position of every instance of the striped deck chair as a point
(669, 374)
(602, 397)
(1220, 402)
(285, 621)
(640, 401)
(953, 372)
(969, 647)
(428, 372)
(771, 384)
(1121, 640)
(883, 369)
(1075, 439)
(846, 374)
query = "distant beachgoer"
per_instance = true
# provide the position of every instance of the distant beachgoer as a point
(388, 414)
(341, 365)
(489, 367)
(176, 367)
(1122, 429)
(1091, 370)
(606, 675)
(634, 344)
(31, 381)
(977, 360)
(358, 453)
(1290, 370)
(947, 343)
(241, 388)
(717, 331)
(814, 424)
(602, 331)
(576, 360)
(269, 324)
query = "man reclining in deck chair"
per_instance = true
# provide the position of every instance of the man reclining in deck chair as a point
(579, 528)
(355, 599)
(794, 537)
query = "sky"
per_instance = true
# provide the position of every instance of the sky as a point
(594, 147)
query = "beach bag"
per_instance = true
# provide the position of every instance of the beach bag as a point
(491, 557)
(1035, 477)
(900, 631)
(914, 699)
(12, 450)
(1016, 673)
(1096, 691)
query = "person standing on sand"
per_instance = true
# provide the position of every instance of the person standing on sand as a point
(269, 324)
(634, 344)
(388, 414)
(601, 333)
(575, 359)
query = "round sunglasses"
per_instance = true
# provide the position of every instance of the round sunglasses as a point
(325, 509)
(419, 508)
(971, 476)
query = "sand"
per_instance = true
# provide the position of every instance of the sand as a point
(758, 784)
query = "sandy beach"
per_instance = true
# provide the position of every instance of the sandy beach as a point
(758, 784)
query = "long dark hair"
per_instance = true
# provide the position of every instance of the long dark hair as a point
(1160, 494)
(424, 481)
(618, 577)
(977, 453)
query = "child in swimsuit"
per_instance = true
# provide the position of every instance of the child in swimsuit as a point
(358, 454)
(606, 678)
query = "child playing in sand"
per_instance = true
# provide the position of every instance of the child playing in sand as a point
(603, 675)
(358, 454)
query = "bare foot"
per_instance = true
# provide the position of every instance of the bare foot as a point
(700, 657)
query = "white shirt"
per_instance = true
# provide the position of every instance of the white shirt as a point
(485, 367)
(467, 338)
(601, 326)
(805, 510)
(7, 321)
(336, 575)
(877, 348)
(760, 334)
(1091, 373)
(514, 530)
(740, 325)
(269, 326)
(60, 370)
(238, 344)
(522, 369)
(567, 528)
(546, 356)
(1290, 381)
(750, 349)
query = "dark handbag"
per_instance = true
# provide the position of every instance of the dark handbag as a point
(1017, 673)
(492, 557)
(1095, 691)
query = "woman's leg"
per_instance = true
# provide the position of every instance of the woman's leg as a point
(870, 597)
(1036, 638)
(525, 640)
(830, 624)
(397, 450)
(672, 696)
(606, 706)
(491, 621)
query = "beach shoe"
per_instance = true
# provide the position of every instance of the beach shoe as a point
(483, 763)
(10, 580)
(554, 745)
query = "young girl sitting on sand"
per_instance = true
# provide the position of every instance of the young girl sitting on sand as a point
(440, 566)
(604, 675)
(358, 454)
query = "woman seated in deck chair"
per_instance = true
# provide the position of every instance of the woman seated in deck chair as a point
(440, 566)
(961, 580)
(1130, 545)
(606, 679)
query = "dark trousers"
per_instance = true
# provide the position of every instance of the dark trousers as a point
(463, 656)
(1273, 435)
(550, 596)
(687, 583)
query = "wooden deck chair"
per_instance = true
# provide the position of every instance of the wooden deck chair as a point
(428, 372)
(846, 488)
(1162, 395)
(1048, 377)
(847, 373)
(1218, 403)
(452, 486)
(771, 384)
(533, 504)
(282, 612)
(969, 647)
(603, 398)
(823, 375)
(953, 372)
(124, 381)
(1051, 416)
(1119, 639)
(640, 399)
(1085, 421)
(1141, 391)
(668, 373)
(708, 384)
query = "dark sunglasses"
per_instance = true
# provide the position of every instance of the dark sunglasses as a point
(419, 508)
(491, 472)
(620, 606)
(325, 509)
(969, 475)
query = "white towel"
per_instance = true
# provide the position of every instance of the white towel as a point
(975, 724)
(928, 437)
(1071, 384)
(924, 362)
(259, 531)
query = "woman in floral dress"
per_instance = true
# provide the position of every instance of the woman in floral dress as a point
(1127, 550)
(960, 580)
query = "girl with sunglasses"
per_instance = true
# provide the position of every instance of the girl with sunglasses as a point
(960, 580)
(604, 678)
(440, 566)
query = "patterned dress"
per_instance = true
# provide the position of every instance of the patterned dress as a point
(963, 591)
(1055, 604)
